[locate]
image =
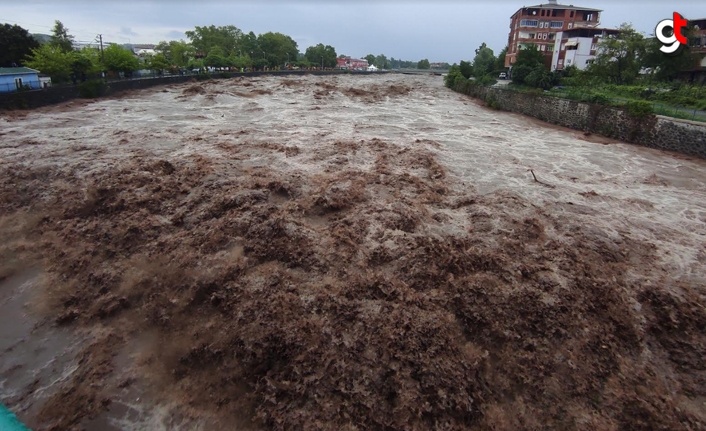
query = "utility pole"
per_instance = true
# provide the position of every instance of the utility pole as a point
(100, 37)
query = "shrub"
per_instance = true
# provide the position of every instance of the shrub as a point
(520, 73)
(487, 80)
(92, 89)
(639, 108)
(539, 78)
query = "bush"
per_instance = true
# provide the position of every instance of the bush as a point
(639, 108)
(487, 80)
(92, 89)
(450, 78)
(539, 78)
(520, 73)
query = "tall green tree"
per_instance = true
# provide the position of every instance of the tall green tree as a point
(667, 67)
(466, 69)
(370, 58)
(16, 43)
(529, 59)
(314, 54)
(61, 38)
(206, 38)
(620, 57)
(277, 48)
(423, 64)
(176, 52)
(484, 61)
(500, 63)
(84, 62)
(382, 62)
(118, 59)
(216, 58)
(53, 61)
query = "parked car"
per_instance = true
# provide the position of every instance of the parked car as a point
(502, 75)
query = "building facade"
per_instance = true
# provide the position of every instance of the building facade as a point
(349, 63)
(577, 47)
(17, 78)
(697, 46)
(538, 25)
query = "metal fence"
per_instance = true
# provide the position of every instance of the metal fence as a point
(659, 108)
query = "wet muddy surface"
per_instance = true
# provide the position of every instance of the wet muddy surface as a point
(343, 253)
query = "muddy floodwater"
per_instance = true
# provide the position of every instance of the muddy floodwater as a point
(345, 252)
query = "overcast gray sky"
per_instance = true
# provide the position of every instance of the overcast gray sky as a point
(440, 30)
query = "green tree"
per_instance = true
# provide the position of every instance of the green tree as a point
(667, 67)
(382, 62)
(314, 54)
(277, 48)
(204, 39)
(529, 59)
(61, 38)
(84, 62)
(51, 60)
(466, 69)
(16, 43)
(119, 59)
(370, 58)
(500, 62)
(216, 58)
(620, 57)
(423, 64)
(484, 61)
(158, 63)
(177, 53)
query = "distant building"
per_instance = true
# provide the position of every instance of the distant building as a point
(697, 45)
(538, 25)
(351, 63)
(577, 47)
(16, 78)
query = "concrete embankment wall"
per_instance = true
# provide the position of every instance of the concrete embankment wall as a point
(58, 94)
(652, 131)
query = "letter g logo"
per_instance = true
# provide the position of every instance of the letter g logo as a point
(671, 43)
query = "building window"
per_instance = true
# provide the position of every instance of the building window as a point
(18, 83)
(589, 17)
(531, 36)
(589, 62)
(556, 24)
(542, 47)
(551, 36)
(550, 48)
(571, 15)
(544, 36)
(542, 12)
(553, 12)
(568, 61)
(529, 23)
(571, 25)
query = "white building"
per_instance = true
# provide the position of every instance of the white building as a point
(577, 47)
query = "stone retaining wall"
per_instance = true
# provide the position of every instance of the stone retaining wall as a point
(652, 131)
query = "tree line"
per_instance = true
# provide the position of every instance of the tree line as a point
(623, 59)
(206, 47)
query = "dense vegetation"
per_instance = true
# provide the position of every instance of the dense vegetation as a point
(629, 70)
(211, 46)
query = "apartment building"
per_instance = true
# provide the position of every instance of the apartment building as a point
(539, 25)
(577, 47)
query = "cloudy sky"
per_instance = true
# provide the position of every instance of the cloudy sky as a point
(440, 30)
